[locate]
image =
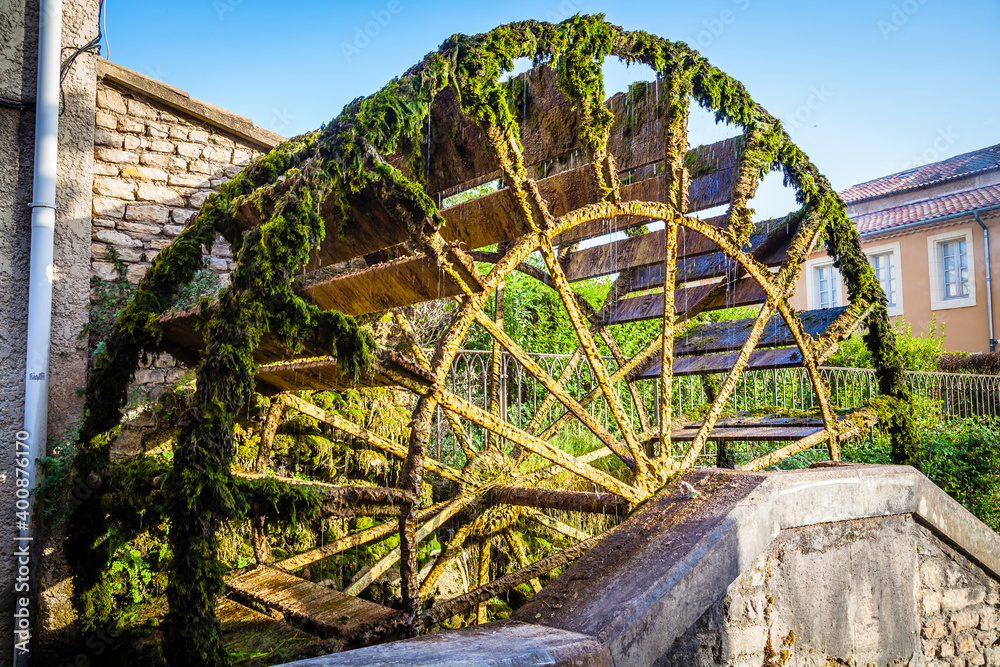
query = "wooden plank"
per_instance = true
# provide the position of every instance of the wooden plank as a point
(782, 357)
(729, 335)
(753, 433)
(745, 292)
(248, 632)
(770, 250)
(710, 188)
(647, 249)
(320, 374)
(643, 250)
(713, 347)
(321, 610)
(549, 131)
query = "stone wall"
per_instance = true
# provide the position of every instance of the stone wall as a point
(155, 163)
(881, 591)
(960, 609)
(153, 169)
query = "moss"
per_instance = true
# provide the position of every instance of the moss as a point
(331, 167)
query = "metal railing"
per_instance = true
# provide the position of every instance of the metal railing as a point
(521, 395)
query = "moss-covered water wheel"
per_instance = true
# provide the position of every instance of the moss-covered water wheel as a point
(374, 183)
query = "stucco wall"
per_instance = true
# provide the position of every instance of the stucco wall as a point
(965, 329)
(18, 37)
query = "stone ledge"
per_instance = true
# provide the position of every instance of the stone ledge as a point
(228, 121)
(635, 593)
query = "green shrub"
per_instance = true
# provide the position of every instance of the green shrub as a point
(920, 353)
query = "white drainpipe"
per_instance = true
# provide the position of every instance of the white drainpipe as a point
(989, 280)
(31, 442)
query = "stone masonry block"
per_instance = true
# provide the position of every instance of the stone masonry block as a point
(198, 198)
(141, 230)
(202, 167)
(105, 169)
(172, 230)
(162, 161)
(198, 135)
(109, 208)
(217, 154)
(157, 130)
(106, 120)
(960, 598)
(241, 157)
(161, 146)
(931, 604)
(115, 156)
(108, 138)
(141, 110)
(147, 213)
(127, 255)
(964, 643)
(189, 150)
(222, 140)
(133, 143)
(137, 271)
(182, 216)
(186, 180)
(116, 238)
(963, 621)
(112, 187)
(158, 193)
(131, 126)
(935, 629)
(992, 656)
(178, 132)
(110, 100)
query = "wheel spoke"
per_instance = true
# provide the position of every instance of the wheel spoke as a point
(447, 554)
(485, 561)
(362, 582)
(593, 354)
(729, 385)
(558, 526)
(516, 544)
(373, 439)
(553, 387)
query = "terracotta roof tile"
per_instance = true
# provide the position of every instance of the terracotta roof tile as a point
(957, 202)
(960, 166)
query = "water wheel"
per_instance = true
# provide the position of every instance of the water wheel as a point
(566, 166)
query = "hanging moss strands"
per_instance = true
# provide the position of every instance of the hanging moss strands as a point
(279, 210)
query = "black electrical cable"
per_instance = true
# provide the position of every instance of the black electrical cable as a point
(93, 45)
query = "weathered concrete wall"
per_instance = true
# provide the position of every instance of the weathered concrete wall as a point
(845, 565)
(19, 39)
(876, 591)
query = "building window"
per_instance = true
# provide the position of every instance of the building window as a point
(952, 269)
(955, 269)
(886, 260)
(827, 286)
(885, 272)
(823, 284)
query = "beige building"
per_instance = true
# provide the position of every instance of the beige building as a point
(925, 232)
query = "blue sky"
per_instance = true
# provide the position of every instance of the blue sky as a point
(865, 88)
